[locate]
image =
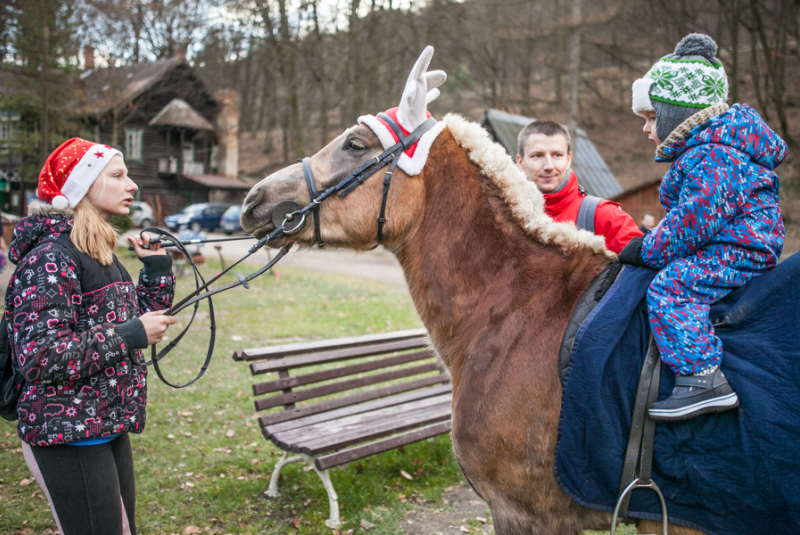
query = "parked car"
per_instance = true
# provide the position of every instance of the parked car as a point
(230, 220)
(197, 216)
(141, 214)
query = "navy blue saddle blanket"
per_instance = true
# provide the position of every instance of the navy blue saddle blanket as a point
(733, 472)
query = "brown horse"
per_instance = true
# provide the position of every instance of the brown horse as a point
(494, 281)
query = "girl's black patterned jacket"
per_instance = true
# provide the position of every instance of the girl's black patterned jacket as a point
(74, 328)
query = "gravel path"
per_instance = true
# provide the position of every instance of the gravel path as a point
(377, 265)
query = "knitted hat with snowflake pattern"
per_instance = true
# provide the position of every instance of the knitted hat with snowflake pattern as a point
(681, 84)
(71, 170)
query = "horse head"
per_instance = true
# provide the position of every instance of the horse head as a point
(351, 220)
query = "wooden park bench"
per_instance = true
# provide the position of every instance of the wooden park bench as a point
(348, 398)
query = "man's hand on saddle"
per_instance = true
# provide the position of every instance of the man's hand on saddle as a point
(632, 253)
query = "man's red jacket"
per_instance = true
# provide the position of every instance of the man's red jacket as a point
(610, 221)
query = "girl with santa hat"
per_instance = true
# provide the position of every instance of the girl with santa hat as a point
(77, 325)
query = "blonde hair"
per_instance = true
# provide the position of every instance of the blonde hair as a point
(92, 234)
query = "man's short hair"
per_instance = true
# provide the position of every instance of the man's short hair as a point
(548, 128)
(648, 213)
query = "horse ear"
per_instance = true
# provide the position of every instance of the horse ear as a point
(420, 89)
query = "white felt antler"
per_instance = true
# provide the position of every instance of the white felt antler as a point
(419, 91)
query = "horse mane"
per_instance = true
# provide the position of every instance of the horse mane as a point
(519, 193)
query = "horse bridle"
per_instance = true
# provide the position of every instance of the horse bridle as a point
(288, 218)
(390, 156)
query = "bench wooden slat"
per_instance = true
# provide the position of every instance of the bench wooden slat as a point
(286, 350)
(334, 356)
(342, 386)
(338, 426)
(344, 371)
(352, 399)
(358, 430)
(356, 409)
(380, 430)
(341, 457)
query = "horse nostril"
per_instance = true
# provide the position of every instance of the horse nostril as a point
(253, 199)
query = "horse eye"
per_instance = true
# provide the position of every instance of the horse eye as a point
(354, 144)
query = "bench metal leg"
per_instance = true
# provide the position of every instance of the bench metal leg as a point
(333, 499)
(272, 492)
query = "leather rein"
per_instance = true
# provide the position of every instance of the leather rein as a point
(288, 218)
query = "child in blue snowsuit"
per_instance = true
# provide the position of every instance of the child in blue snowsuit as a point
(723, 225)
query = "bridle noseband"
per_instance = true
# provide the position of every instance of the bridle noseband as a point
(390, 156)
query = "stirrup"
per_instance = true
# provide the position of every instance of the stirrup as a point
(639, 484)
(638, 463)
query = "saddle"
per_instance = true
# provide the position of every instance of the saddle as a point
(709, 468)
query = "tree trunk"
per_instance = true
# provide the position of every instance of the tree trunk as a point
(733, 29)
(247, 93)
(574, 70)
(321, 79)
(43, 152)
(774, 63)
(291, 79)
(353, 64)
(756, 74)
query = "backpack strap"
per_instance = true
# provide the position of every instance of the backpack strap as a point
(586, 212)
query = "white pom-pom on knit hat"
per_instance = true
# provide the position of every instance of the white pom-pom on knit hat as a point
(70, 171)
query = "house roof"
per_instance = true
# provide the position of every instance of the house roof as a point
(181, 114)
(218, 181)
(593, 173)
(106, 89)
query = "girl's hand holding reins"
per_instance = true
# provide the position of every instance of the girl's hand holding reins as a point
(155, 325)
(143, 247)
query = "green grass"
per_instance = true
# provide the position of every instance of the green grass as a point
(190, 472)
(203, 477)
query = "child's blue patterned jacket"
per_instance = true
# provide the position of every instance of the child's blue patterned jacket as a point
(721, 194)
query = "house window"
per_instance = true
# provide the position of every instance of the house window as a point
(188, 151)
(6, 131)
(133, 145)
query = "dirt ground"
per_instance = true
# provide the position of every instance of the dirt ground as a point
(458, 511)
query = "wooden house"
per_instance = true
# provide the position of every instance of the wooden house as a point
(641, 199)
(165, 121)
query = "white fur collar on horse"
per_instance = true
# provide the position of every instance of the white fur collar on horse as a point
(421, 89)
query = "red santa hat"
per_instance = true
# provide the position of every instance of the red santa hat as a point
(71, 170)
(413, 159)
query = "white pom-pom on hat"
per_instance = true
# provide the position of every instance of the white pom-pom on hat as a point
(60, 202)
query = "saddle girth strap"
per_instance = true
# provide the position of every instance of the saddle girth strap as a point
(313, 193)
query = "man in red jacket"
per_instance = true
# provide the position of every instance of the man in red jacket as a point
(544, 154)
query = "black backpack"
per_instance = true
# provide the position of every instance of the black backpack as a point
(11, 380)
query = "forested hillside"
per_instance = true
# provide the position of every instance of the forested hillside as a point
(306, 69)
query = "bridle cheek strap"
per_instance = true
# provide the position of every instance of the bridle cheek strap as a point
(390, 156)
(313, 193)
(387, 179)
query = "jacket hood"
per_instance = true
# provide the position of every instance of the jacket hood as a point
(45, 223)
(741, 128)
